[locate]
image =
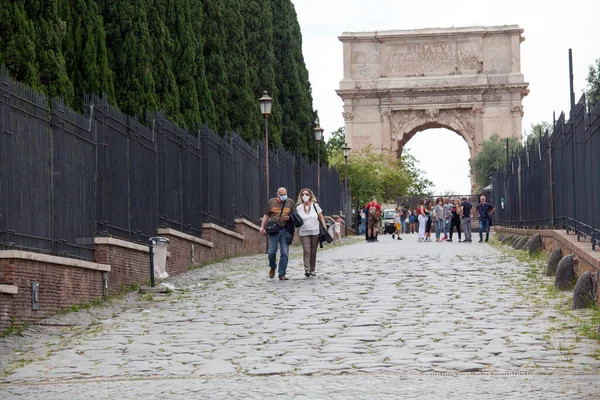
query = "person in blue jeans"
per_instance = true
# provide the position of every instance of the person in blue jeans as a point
(278, 210)
(439, 213)
(485, 211)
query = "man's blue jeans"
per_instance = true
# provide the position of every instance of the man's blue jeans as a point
(484, 225)
(284, 251)
(439, 227)
(403, 225)
(446, 227)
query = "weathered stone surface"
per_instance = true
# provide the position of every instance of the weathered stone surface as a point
(553, 261)
(397, 82)
(534, 244)
(501, 237)
(564, 273)
(508, 239)
(521, 243)
(583, 296)
(513, 239)
(363, 328)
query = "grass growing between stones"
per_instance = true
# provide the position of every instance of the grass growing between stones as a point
(540, 290)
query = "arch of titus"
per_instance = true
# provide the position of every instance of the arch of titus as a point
(397, 83)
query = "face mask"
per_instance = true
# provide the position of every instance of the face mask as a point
(283, 197)
(305, 198)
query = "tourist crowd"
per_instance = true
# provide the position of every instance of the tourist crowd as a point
(443, 217)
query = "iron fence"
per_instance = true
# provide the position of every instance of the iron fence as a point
(554, 181)
(66, 178)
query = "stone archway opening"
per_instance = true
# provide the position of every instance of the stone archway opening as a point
(443, 155)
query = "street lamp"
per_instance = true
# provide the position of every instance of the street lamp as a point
(265, 109)
(346, 153)
(318, 138)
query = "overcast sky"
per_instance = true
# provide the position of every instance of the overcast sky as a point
(551, 28)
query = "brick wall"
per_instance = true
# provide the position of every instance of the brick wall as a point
(185, 251)
(129, 263)
(60, 287)
(254, 242)
(226, 243)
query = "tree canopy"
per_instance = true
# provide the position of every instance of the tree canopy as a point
(593, 83)
(199, 61)
(376, 174)
(491, 157)
(538, 130)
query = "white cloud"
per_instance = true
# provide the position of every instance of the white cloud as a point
(551, 28)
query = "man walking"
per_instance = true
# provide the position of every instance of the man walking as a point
(485, 211)
(277, 213)
(373, 212)
(466, 208)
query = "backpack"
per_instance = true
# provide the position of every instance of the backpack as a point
(373, 212)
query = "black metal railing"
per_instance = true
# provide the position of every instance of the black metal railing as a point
(66, 178)
(554, 181)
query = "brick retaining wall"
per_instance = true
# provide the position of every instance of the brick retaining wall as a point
(62, 282)
(130, 262)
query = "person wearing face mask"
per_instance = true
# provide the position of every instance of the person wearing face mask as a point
(278, 210)
(439, 213)
(312, 215)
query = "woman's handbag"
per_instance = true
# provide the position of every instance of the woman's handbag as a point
(296, 219)
(324, 235)
(273, 227)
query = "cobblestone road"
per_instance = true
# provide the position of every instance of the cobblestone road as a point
(394, 319)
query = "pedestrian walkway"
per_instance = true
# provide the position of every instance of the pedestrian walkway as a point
(392, 319)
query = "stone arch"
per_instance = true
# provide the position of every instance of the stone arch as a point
(405, 124)
(466, 79)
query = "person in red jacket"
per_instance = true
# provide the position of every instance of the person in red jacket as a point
(373, 214)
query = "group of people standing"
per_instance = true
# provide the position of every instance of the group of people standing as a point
(451, 215)
(445, 216)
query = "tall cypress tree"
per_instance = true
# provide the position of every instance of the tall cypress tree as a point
(17, 43)
(167, 91)
(292, 80)
(84, 49)
(184, 57)
(49, 32)
(205, 102)
(129, 51)
(258, 29)
(214, 37)
(241, 102)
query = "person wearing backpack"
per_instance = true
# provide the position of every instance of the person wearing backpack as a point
(373, 212)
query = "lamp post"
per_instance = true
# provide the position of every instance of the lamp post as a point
(346, 153)
(265, 109)
(318, 138)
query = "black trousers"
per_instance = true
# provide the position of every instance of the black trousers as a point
(454, 223)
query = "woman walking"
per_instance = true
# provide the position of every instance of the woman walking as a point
(454, 220)
(428, 223)
(312, 215)
(422, 220)
(440, 215)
